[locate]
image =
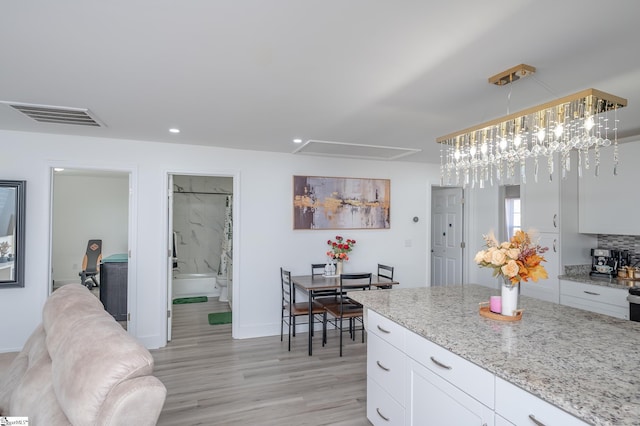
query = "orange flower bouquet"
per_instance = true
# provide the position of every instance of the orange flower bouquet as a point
(516, 260)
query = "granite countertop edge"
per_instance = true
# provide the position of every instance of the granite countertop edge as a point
(620, 283)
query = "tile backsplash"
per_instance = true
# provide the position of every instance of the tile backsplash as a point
(621, 242)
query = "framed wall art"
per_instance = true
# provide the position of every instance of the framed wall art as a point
(341, 203)
(12, 232)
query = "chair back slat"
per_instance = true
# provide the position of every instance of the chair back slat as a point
(385, 271)
(317, 269)
(288, 295)
(355, 281)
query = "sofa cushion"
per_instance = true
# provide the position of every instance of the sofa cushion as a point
(81, 367)
(84, 368)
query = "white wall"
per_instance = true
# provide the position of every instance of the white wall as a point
(87, 208)
(265, 238)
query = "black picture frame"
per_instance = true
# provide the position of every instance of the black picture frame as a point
(12, 232)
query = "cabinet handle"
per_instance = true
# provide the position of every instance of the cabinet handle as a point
(555, 220)
(382, 366)
(383, 417)
(592, 293)
(383, 330)
(555, 245)
(439, 364)
(536, 421)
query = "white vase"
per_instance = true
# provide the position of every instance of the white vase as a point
(510, 295)
(339, 268)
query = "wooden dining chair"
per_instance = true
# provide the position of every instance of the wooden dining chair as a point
(317, 269)
(292, 309)
(322, 296)
(347, 308)
(385, 272)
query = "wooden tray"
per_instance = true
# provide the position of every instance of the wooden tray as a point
(486, 312)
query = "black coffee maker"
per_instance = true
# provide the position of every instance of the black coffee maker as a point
(606, 262)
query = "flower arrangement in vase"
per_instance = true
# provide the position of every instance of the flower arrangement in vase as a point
(339, 251)
(516, 260)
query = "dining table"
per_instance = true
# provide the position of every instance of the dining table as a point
(312, 284)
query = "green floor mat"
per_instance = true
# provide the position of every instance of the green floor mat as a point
(220, 318)
(184, 300)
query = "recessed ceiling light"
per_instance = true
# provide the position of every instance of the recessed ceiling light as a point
(297, 141)
(174, 130)
(58, 169)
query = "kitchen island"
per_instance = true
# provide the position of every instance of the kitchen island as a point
(582, 362)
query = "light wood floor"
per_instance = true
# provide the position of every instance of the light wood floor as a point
(212, 379)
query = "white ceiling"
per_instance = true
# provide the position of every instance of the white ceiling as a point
(255, 74)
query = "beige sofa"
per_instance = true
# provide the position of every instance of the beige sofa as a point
(80, 367)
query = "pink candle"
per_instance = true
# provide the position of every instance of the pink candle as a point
(495, 304)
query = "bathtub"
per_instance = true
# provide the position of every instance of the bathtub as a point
(189, 285)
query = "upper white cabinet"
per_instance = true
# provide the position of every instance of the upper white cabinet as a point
(610, 204)
(541, 202)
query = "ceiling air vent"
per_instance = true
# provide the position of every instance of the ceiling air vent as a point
(57, 114)
(352, 150)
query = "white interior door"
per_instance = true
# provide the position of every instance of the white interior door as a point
(446, 236)
(169, 255)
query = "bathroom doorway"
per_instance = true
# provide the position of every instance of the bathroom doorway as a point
(200, 219)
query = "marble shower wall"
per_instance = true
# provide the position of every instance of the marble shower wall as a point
(198, 221)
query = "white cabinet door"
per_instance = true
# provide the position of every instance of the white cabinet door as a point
(548, 289)
(386, 365)
(596, 194)
(431, 400)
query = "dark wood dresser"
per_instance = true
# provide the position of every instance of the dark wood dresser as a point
(113, 285)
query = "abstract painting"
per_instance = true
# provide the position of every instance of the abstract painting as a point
(340, 203)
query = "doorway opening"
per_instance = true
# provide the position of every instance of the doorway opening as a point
(93, 205)
(510, 211)
(200, 266)
(447, 236)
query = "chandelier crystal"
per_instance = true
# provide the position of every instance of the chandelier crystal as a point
(498, 150)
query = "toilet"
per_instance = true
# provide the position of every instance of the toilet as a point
(224, 290)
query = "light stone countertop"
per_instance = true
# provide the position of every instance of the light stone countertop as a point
(620, 283)
(585, 363)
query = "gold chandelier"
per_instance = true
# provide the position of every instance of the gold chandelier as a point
(498, 150)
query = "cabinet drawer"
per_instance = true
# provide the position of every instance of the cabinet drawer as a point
(381, 408)
(602, 294)
(474, 380)
(520, 407)
(595, 306)
(386, 365)
(603, 300)
(388, 330)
